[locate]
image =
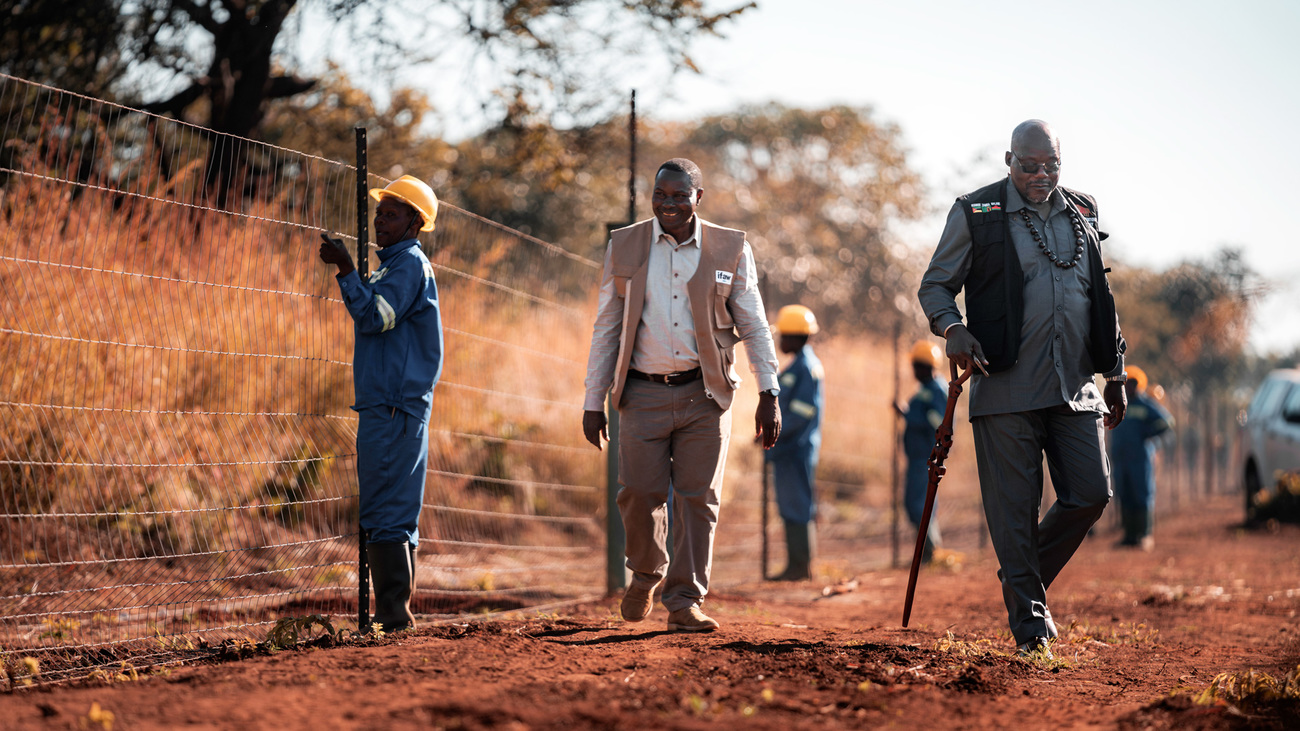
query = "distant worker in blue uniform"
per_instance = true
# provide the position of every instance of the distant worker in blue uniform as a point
(1132, 455)
(922, 416)
(396, 363)
(794, 457)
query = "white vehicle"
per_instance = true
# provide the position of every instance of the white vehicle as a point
(1271, 438)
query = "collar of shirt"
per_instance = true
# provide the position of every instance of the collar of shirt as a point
(1015, 201)
(658, 232)
(388, 252)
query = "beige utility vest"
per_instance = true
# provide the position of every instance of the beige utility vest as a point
(720, 251)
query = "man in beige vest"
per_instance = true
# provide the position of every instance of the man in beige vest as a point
(677, 294)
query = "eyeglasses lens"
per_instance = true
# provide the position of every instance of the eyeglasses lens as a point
(1032, 168)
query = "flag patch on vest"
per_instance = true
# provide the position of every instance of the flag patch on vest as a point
(985, 207)
(1087, 214)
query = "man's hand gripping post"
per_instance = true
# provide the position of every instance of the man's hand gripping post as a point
(942, 443)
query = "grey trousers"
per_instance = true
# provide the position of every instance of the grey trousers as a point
(671, 437)
(1009, 450)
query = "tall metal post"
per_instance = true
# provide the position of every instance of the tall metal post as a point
(615, 536)
(895, 478)
(363, 269)
(631, 162)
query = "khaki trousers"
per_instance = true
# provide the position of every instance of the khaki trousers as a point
(671, 437)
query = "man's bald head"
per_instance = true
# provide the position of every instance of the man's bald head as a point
(1034, 160)
(1034, 132)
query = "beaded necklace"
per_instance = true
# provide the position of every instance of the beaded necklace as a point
(1042, 245)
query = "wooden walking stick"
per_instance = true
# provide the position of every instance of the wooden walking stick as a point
(942, 443)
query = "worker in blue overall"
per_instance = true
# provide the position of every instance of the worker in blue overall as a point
(396, 363)
(794, 457)
(922, 416)
(1132, 458)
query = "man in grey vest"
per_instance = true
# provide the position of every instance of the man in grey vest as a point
(1040, 323)
(677, 294)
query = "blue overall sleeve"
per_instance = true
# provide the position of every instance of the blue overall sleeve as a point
(801, 404)
(378, 305)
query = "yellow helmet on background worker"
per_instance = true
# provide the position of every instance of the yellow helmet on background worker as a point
(1138, 376)
(926, 352)
(796, 320)
(413, 192)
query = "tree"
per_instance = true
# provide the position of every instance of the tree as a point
(818, 190)
(72, 45)
(1190, 323)
(223, 52)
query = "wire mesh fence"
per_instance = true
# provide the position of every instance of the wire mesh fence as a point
(177, 452)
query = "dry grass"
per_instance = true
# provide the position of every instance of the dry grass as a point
(1251, 688)
(178, 382)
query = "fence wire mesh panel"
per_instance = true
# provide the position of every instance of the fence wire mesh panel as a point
(514, 504)
(855, 488)
(177, 452)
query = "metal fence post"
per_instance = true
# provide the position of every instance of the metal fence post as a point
(615, 537)
(363, 269)
(895, 479)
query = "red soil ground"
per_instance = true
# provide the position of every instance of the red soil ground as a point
(1142, 633)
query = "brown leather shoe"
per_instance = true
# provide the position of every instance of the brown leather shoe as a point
(691, 619)
(637, 602)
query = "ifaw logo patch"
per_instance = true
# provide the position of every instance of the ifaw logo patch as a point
(722, 277)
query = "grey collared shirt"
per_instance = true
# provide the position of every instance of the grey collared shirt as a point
(665, 337)
(1054, 366)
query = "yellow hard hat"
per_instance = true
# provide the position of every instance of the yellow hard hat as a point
(796, 320)
(926, 352)
(413, 192)
(1138, 376)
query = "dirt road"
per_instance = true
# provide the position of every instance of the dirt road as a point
(1141, 634)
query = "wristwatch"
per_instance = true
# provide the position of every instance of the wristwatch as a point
(773, 392)
(1121, 378)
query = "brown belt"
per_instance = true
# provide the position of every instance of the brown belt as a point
(671, 379)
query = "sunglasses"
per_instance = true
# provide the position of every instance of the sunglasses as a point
(1032, 168)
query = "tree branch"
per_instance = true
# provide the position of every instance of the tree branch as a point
(279, 87)
(200, 14)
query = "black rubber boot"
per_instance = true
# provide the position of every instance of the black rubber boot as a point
(414, 550)
(1134, 526)
(393, 576)
(798, 548)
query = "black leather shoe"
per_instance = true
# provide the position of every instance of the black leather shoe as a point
(1036, 648)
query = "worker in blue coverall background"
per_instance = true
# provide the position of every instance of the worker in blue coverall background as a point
(1132, 458)
(396, 363)
(794, 456)
(922, 416)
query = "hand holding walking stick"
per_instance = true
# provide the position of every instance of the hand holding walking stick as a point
(942, 443)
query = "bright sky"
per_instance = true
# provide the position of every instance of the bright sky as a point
(1179, 117)
(1175, 114)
